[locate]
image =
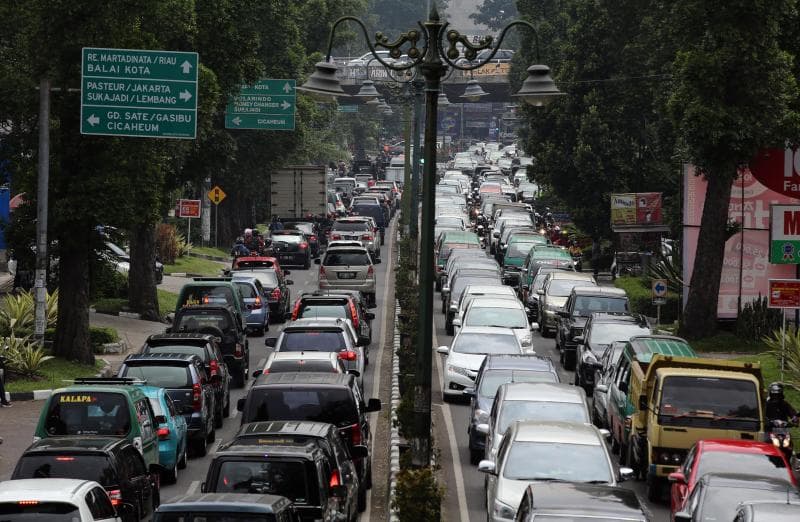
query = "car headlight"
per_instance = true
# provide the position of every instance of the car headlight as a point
(458, 369)
(480, 417)
(525, 341)
(501, 510)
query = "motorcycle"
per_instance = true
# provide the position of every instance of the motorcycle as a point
(577, 262)
(778, 434)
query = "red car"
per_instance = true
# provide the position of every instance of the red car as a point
(256, 262)
(726, 456)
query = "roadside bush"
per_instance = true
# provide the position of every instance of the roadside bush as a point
(106, 282)
(791, 369)
(23, 356)
(184, 245)
(418, 497)
(641, 301)
(99, 335)
(167, 243)
(17, 313)
(757, 320)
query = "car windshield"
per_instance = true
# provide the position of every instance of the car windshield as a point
(276, 477)
(720, 503)
(301, 365)
(767, 466)
(314, 310)
(557, 461)
(191, 350)
(711, 397)
(448, 220)
(161, 375)
(39, 512)
(492, 379)
(205, 295)
(562, 287)
(86, 467)
(462, 282)
(247, 290)
(349, 226)
(211, 516)
(267, 278)
(195, 322)
(585, 305)
(607, 333)
(312, 341)
(520, 248)
(346, 258)
(496, 316)
(88, 413)
(479, 343)
(540, 411)
(332, 405)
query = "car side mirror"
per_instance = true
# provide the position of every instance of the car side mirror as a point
(683, 516)
(257, 373)
(359, 451)
(354, 373)
(160, 419)
(605, 433)
(601, 388)
(376, 261)
(369, 316)
(578, 339)
(317, 261)
(625, 474)
(444, 350)
(642, 402)
(457, 321)
(271, 342)
(373, 405)
(240, 404)
(289, 282)
(678, 477)
(469, 392)
(482, 428)
(487, 466)
(540, 292)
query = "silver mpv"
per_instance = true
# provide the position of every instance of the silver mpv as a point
(348, 268)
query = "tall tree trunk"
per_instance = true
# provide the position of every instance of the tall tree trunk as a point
(142, 293)
(72, 329)
(700, 315)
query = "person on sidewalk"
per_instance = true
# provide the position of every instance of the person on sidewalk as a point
(3, 401)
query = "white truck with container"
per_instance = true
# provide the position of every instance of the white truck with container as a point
(299, 191)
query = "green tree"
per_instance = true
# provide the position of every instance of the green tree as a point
(495, 14)
(733, 93)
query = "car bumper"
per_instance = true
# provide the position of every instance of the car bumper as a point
(293, 258)
(454, 383)
(257, 318)
(168, 454)
(367, 288)
(195, 425)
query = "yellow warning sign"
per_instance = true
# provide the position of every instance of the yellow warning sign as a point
(216, 195)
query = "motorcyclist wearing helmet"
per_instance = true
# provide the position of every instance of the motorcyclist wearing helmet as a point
(777, 408)
(239, 249)
(276, 224)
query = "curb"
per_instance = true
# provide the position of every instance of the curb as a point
(394, 436)
(185, 274)
(40, 395)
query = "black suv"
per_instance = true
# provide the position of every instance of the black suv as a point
(301, 473)
(302, 433)
(217, 506)
(112, 462)
(207, 348)
(336, 304)
(291, 248)
(581, 303)
(601, 330)
(218, 321)
(186, 382)
(323, 397)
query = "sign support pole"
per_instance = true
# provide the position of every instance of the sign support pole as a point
(40, 283)
(189, 231)
(783, 342)
(658, 316)
(216, 225)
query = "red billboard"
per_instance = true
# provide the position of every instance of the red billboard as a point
(745, 268)
(188, 208)
(636, 209)
(778, 170)
(784, 293)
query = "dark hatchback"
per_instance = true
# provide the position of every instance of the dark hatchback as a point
(218, 321)
(184, 378)
(112, 462)
(495, 371)
(226, 507)
(375, 212)
(207, 348)
(332, 305)
(309, 230)
(291, 248)
(276, 290)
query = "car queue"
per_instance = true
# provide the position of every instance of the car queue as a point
(304, 447)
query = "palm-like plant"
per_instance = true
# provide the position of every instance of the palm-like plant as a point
(790, 354)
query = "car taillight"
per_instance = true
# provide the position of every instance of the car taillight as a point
(239, 350)
(257, 302)
(348, 355)
(367, 237)
(276, 294)
(303, 245)
(196, 394)
(213, 367)
(296, 311)
(322, 271)
(336, 236)
(65, 459)
(334, 480)
(115, 495)
(163, 433)
(370, 271)
(312, 238)
(355, 434)
(354, 313)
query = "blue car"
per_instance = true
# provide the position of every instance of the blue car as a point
(172, 432)
(255, 299)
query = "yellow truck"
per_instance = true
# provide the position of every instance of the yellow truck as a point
(680, 400)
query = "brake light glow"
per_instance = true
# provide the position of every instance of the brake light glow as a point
(213, 366)
(312, 238)
(296, 310)
(276, 294)
(65, 459)
(367, 237)
(348, 355)
(27, 502)
(303, 245)
(322, 271)
(370, 271)
(115, 495)
(163, 433)
(336, 236)
(334, 480)
(354, 313)
(196, 395)
(355, 434)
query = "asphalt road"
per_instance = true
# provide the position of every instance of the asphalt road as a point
(17, 424)
(465, 497)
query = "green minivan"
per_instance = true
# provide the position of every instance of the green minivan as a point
(213, 291)
(94, 406)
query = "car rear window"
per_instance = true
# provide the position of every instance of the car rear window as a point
(160, 375)
(211, 516)
(194, 322)
(323, 309)
(86, 467)
(247, 290)
(349, 226)
(345, 258)
(39, 512)
(88, 413)
(267, 278)
(205, 295)
(312, 341)
(287, 478)
(332, 405)
(302, 366)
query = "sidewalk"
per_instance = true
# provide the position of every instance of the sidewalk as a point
(132, 331)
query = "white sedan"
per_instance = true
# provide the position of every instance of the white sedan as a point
(501, 313)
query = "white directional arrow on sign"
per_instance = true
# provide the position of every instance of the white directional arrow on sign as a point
(287, 87)
(186, 66)
(185, 95)
(285, 105)
(237, 121)
(93, 120)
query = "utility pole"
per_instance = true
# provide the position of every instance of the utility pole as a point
(40, 281)
(417, 91)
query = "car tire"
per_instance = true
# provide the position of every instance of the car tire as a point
(368, 478)
(654, 490)
(199, 447)
(238, 379)
(211, 435)
(362, 499)
(226, 410)
(170, 476)
(449, 328)
(181, 462)
(475, 456)
(307, 264)
(596, 418)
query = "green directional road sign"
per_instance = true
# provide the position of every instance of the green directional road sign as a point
(266, 105)
(138, 93)
(347, 108)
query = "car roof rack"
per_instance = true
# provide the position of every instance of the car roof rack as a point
(107, 380)
(211, 278)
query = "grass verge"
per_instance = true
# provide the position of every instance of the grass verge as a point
(724, 341)
(211, 251)
(195, 265)
(54, 373)
(771, 372)
(166, 301)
